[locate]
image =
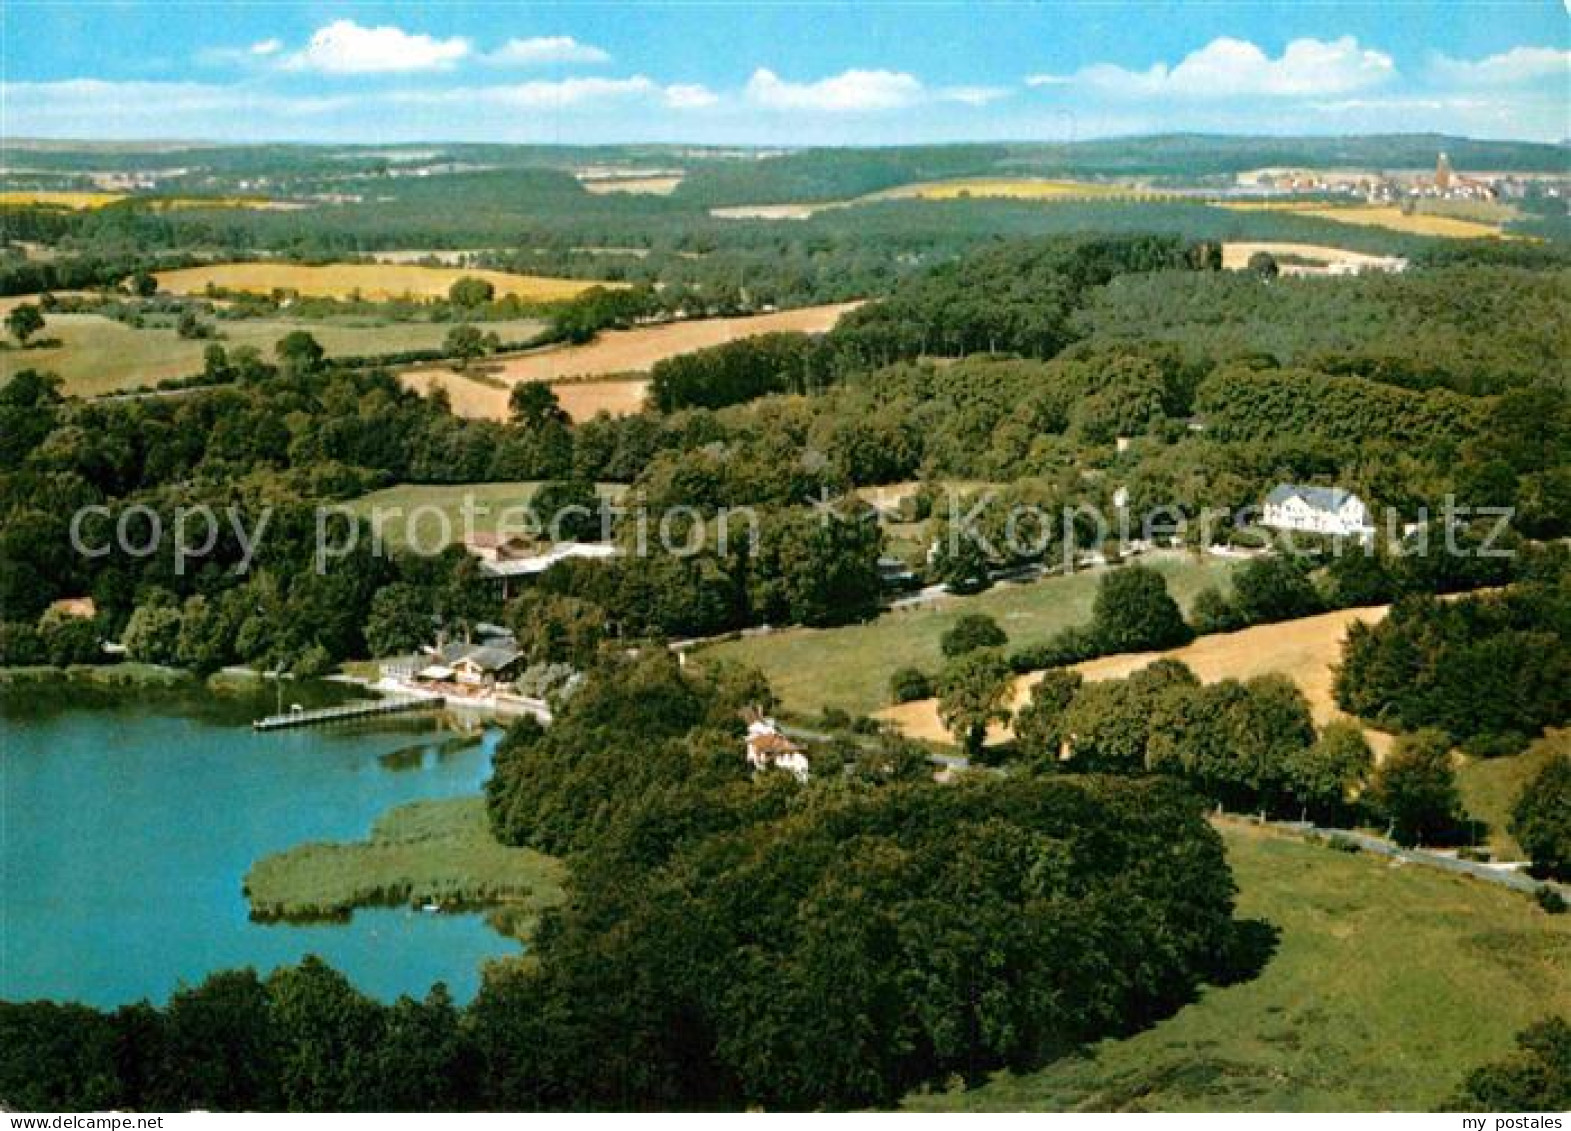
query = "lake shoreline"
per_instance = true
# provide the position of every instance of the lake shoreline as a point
(138, 800)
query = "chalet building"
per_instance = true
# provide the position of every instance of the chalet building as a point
(767, 748)
(1317, 510)
(474, 665)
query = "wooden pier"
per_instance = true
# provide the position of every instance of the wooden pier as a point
(348, 712)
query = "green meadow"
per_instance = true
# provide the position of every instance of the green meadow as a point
(1389, 983)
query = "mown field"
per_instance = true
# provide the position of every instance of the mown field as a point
(1388, 984)
(425, 511)
(424, 852)
(100, 355)
(849, 667)
(370, 280)
(1304, 650)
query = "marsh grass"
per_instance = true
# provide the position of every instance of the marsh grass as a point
(427, 852)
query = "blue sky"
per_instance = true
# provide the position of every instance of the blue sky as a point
(781, 73)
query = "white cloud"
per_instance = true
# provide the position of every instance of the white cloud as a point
(1518, 65)
(1050, 80)
(1229, 68)
(972, 95)
(545, 49)
(568, 92)
(858, 91)
(850, 91)
(344, 47)
(267, 47)
(689, 96)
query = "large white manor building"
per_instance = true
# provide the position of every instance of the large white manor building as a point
(1317, 510)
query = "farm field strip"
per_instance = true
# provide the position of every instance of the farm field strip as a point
(59, 199)
(1017, 188)
(371, 280)
(570, 370)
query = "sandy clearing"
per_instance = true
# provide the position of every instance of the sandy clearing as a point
(582, 399)
(770, 211)
(613, 353)
(1304, 650)
(1235, 256)
(638, 186)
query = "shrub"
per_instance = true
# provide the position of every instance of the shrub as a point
(1272, 589)
(910, 684)
(1415, 789)
(1550, 900)
(1536, 1077)
(1134, 612)
(1212, 612)
(970, 632)
(1068, 646)
(834, 718)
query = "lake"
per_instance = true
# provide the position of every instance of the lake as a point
(128, 821)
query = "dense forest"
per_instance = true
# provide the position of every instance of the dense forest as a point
(1189, 421)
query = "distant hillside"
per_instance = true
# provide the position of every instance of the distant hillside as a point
(837, 174)
(739, 175)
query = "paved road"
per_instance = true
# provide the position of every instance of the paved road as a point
(1517, 880)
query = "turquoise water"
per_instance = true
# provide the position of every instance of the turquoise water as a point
(126, 829)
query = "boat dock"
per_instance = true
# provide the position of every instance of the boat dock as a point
(348, 712)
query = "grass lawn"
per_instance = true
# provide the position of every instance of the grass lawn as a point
(1388, 985)
(99, 355)
(1490, 787)
(850, 667)
(424, 852)
(435, 508)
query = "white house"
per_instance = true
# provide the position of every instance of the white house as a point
(768, 748)
(1317, 510)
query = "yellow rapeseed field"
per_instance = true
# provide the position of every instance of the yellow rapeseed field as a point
(1416, 223)
(73, 200)
(1420, 223)
(1017, 188)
